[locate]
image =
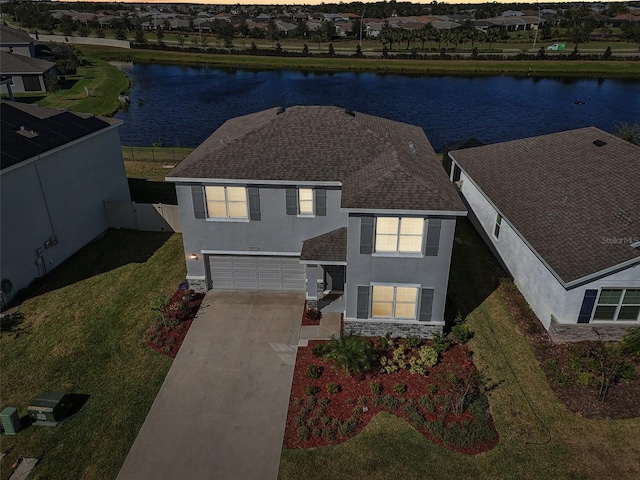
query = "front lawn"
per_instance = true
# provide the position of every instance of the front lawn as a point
(539, 437)
(82, 333)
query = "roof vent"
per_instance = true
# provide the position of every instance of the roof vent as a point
(350, 113)
(280, 110)
(413, 148)
(599, 143)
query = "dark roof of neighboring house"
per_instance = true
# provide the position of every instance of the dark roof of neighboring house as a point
(462, 144)
(328, 247)
(17, 64)
(12, 35)
(30, 130)
(382, 164)
(565, 195)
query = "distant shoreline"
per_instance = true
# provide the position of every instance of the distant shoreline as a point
(536, 68)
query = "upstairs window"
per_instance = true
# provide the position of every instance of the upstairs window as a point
(618, 304)
(226, 202)
(399, 235)
(305, 201)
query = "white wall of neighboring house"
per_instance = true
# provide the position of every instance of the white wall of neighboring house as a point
(59, 193)
(544, 293)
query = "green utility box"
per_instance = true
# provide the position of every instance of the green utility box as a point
(10, 421)
(48, 408)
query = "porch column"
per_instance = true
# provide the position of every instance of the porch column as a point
(312, 289)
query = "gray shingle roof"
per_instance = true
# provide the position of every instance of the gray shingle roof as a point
(13, 36)
(328, 247)
(382, 164)
(16, 64)
(566, 196)
(29, 130)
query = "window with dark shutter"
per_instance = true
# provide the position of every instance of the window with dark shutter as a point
(366, 235)
(426, 304)
(433, 237)
(254, 203)
(292, 201)
(362, 310)
(198, 201)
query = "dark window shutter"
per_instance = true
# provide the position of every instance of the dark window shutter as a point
(426, 304)
(433, 236)
(197, 195)
(362, 310)
(254, 203)
(366, 235)
(292, 201)
(588, 302)
(321, 202)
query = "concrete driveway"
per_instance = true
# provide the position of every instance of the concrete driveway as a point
(221, 411)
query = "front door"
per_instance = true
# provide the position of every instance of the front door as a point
(334, 278)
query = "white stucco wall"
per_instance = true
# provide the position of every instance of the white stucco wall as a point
(59, 194)
(538, 285)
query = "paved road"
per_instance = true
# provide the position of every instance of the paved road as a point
(221, 411)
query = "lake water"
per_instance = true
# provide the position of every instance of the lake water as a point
(183, 105)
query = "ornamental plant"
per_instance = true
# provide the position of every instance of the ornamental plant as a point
(350, 353)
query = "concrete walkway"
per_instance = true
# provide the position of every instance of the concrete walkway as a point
(222, 409)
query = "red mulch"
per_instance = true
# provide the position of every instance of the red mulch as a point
(306, 321)
(165, 339)
(622, 399)
(355, 393)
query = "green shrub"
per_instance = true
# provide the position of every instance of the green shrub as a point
(311, 390)
(584, 378)
(314, 371)
(426, 402)
(440, 342)
(564, 379)
(400, 388)
(461, 333)
(324, 401)
(313, 314)
(631, 342)
(297, 401)
(298, 421)
(385, 341)
(320, 349)
(432, 388)
(350, 353)
(324, 420)
(350, 401)
(390, 402)
(552, 365)
(362, 400)
(316, 432)
(412, 341)
(303, 433)
(376, 388)
(310, 402)
(333, 388)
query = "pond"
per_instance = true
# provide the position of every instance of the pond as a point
(182, 105)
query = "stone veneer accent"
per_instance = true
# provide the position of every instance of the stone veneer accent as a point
(198, 285)
(578, 332)
(374, 329)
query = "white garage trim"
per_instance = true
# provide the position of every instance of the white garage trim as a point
(255, 273)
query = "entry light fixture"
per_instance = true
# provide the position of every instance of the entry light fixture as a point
(194, 256)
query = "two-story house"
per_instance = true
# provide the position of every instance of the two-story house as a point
(319, 200)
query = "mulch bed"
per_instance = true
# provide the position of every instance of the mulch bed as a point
(167, 333)
(355, 400)
(309, 320)
(555, 359)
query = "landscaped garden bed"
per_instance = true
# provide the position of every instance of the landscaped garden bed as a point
(593, 379)
(340, 385)
(174, 319)
(310, 317)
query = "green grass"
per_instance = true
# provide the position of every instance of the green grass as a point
(460, 67)
(152, 163)
(82, 333)
(104, 81)
(539, 438)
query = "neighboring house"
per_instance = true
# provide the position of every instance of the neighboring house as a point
(323, 200)
(16, 41)
(27, 74)
(562, 212)
(57, 170)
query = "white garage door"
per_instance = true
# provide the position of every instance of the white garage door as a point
(257, 273)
